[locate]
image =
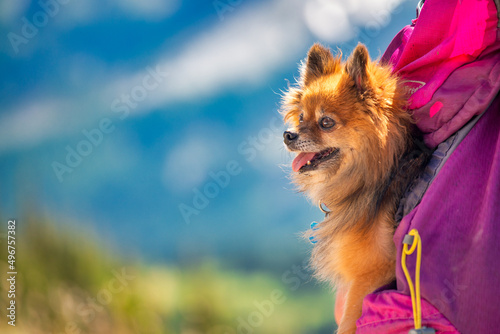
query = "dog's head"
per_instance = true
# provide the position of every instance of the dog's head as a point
(341, 117)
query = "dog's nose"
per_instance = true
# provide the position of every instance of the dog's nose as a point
(289, 137)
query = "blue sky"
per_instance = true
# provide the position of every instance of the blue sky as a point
(116, 113)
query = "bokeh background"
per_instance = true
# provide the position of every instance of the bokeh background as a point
(141, 156)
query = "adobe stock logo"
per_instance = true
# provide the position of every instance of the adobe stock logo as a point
(249, 150)
(210, 190)
(121, 106)
(29, 29)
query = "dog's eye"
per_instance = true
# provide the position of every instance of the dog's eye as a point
(301, 118)
(326, 122)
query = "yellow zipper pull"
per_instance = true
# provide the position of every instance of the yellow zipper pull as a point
(413, 239)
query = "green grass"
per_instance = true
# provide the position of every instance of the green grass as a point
(67, 283)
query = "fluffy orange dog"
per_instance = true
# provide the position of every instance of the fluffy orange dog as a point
(356, 155)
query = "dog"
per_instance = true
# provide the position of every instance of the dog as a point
(357, 151)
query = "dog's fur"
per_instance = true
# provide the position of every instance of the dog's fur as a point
(361, 182)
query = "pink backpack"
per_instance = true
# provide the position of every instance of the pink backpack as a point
(450, 57)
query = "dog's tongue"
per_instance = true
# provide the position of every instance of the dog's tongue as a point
(301, 159)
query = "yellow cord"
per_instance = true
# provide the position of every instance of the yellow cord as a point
(415, 293)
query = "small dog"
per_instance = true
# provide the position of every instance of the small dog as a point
(356, 154)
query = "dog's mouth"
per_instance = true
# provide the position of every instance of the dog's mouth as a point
(307, 161)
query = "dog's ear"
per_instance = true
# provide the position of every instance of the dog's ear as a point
(320, 61)
(356, 67)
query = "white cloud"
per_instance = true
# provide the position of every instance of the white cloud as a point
(336, 21)
(188, 164)
(246, 48)
(251, 44)
(329, 20)
(365, 11)
(31, 123)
